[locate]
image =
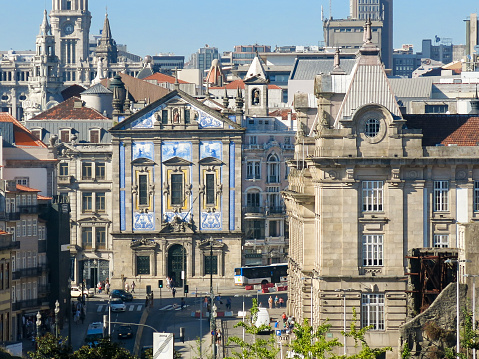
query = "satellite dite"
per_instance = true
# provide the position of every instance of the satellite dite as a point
(163, 345)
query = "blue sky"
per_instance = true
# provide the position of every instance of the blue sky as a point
(152, 26)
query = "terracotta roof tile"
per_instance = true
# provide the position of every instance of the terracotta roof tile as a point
(40, 197)
(3, 233)
(67, 111)
(26, 189)
(283, 113)
(460, 130)
(23, 137)
(158, 76)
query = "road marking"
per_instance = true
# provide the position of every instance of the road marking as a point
(100, 308)
(166, 307)
(139, 308)
(131, 308)
(179, 308)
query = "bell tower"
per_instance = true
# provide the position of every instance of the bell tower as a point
(70, 23)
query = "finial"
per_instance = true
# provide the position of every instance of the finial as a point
(337, 59)
(368, 34)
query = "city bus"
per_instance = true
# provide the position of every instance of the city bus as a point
(94, 334)
(273, 273)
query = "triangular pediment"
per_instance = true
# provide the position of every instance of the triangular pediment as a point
(211, 161)
(143, 161)
(177, 161)
(201, 116)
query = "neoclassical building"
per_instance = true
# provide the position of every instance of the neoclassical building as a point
(177, 198)
(366, 186)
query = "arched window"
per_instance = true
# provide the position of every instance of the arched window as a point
(273, 168)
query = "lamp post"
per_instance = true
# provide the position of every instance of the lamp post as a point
(39, 322)
(212, 299)
(57, 310)
(344, 313)
(473, 276)
(69, 309)
(458, 321)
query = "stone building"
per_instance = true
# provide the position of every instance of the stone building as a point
(372, 186)
(177, 202)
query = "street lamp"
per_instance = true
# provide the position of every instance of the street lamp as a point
(57, 310)
(473, 276)
(69, 309)
(39, 322)
(458, 321)
(212, 299)
(344, 313)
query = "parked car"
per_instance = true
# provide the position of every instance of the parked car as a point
(125, 332)
(122, 294)
(76, 292)
(117, 305)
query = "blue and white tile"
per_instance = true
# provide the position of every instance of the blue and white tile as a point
(144, 221)
(211, 149)
(176, 149)
(143, 150)
(211, 220)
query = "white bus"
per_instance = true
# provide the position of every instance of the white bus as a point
(273, 273)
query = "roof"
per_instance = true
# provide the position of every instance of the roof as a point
(40, 197)
(71, 91)
(161, 78)
(283, 113)
(256, 71)
(140, 89)
(418, 87)
(460, 130)
(22, 136)
(26, 189)
(68, 111)
(3, 232)
(240, 83)
(307, 69)
(97, 89)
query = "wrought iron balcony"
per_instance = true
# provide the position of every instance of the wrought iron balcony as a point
(254, 209)
(275, 210)
(28, 272)
(32, 209)
(25, 304)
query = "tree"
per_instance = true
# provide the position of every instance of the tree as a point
(358, 335)
(313, 344)
(49, 347)
(260, 348)
(105, 349)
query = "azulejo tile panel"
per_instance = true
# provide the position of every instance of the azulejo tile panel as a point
(211, 220)
(207, 121)
(143, 150)
(144, 221)
(168, 216)
(147, 120)
(176, 149)
(211, 149)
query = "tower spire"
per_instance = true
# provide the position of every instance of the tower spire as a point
(45, 28)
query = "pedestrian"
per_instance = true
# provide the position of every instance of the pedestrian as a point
(276, 302)
(281, 302)
(82, 316)
(228, 303)
(133, 286)
(218, 337)
(107, 288)
(168, 282)
(173, 291)
(182, 303)
(270, 302)
(146, 301)
(99, 287)
(127, 287)
(205, 302)
(284, 317)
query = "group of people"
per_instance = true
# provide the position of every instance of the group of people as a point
(278, 302)
(103, 285)
(288, 323)
(78, 311)
(129, 287)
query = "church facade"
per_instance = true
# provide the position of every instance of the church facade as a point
(177, 201)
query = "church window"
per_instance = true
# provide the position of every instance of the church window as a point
(177, 189)
(372, 127)
(143, 189)
(373, 250)
(441, 190)
(142, 265)
(187, 116)
(476, 196)
(255, 98)
(164, 117)
(211, 265)
(372, 196)
(68, 4)
(210, 188)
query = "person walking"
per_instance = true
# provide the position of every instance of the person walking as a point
(182, 303)
(133, 285)
(218, 337)
(173, 291)
(276, 302)
(228, 303)
(270, 302)
(127, 287)
(107, 288)
(281, 302)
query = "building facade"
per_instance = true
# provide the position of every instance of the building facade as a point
(177, 202)
(374, 186)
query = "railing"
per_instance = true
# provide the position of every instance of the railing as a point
(273, 179)
(10, 216)
(28, 272)
(254, 209)
(9, 244)
(64, 179)
(32, 209)
(23, 304)
(275, 210)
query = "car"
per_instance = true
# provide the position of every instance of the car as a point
(125, 332)
(76, 292)
(122, 294)
(117, 305)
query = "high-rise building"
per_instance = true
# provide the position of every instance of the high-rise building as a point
(203, 58)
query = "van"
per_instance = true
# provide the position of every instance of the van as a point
(94, 334)
(263, 319)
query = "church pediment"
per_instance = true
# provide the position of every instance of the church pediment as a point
(177, 161)
(206, 245)
(211, 161)
(143, 243)
(143, 162)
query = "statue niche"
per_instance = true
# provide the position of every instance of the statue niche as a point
(255, 100)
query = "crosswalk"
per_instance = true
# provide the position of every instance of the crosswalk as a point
(173, 307)
(129, 308)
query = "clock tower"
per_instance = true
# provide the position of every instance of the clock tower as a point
(70, 23)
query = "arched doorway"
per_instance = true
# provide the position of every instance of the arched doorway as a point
(176, 263)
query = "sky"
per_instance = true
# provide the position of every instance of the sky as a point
(149, 27)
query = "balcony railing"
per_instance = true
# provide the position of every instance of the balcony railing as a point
(28, 272)
(10, 216)
(43, 290)
(65, 180)
(9, 244)
(254, 209)
(275, 210)
(24, 304)
(32, 209)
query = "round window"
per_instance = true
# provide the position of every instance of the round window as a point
(372, 127)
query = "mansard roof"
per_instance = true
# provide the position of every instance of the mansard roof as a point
(147, 113)
(21, 135)
(67, 110)
(139, 89)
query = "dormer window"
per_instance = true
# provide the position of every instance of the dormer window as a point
(372, 127)
(95, 135)
(65, 135)
(37, 132)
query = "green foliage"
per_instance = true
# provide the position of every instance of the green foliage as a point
(405, 352)
(470, 337)
(259, 348)
(358, 335)
(313, 344)
(105, 349)
(204, 349)
(51, 347)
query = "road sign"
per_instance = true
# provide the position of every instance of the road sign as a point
(278, 332)
(163, 345)
(66, 247)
